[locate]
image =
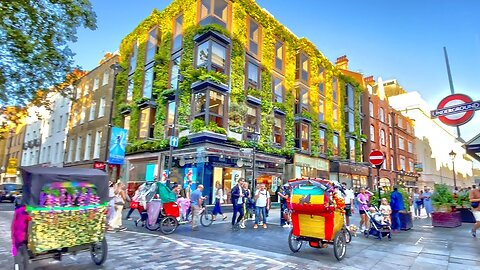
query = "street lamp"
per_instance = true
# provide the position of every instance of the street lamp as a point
(255, 138)
(174, 125)
(452, 156)
(116, 69)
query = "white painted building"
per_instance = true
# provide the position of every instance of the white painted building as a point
(45, 132)
(54, 130)
(434, 143)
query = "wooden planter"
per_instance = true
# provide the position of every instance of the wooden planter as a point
(446, 219)
(467, 215)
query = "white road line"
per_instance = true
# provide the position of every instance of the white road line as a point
(419, 240)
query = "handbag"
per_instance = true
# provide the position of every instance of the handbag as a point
(134, 205)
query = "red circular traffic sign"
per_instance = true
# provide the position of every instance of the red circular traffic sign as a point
(458, 118)
(376, 157)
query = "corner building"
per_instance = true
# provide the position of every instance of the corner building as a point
(253, 98)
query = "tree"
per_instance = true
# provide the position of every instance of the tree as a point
(34, 52)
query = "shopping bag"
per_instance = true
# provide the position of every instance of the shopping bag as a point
(133, 204)
(153, 210)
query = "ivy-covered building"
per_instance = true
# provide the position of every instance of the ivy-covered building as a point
(239, 72)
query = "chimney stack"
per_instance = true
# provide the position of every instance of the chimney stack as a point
(342, 62)
(369, 80)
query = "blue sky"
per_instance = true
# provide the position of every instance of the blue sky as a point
(400, 40)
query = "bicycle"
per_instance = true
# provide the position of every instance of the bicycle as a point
(206, 216)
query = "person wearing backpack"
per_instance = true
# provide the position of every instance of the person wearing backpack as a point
(262, 202)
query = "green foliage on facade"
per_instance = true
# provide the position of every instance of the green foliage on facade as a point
(271, 30)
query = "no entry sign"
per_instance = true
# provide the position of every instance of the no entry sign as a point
(456, 109)
(376, 157)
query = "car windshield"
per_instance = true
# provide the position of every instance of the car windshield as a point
(10, 187)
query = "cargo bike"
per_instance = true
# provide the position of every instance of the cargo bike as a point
(317, 213)
(63, 211)
(164, 213)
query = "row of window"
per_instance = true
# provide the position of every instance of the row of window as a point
(381, 117)
(77, 145)
(46, 155)
(96, 84)
(402, 164)
(401, 140)
(92, 112)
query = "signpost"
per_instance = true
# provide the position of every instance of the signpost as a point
(377, 158)
(455, 109)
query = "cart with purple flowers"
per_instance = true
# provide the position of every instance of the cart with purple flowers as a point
(63, 210)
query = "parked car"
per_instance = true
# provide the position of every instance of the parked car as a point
(8, 192)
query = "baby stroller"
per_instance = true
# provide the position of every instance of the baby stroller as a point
(378, 227)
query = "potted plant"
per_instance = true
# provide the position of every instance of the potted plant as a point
(443, 216)
(236, 119)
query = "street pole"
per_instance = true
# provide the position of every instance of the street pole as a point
(378, 185)
(174, 125)
(116, 69)
(254, 180)
(454, 176)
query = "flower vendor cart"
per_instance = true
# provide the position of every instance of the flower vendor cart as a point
(317, 216)
(63, 210)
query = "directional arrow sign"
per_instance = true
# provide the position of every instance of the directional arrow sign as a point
(173, 141)
(376, 157)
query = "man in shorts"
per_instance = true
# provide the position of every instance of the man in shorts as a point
(349, 198)
(475, 201)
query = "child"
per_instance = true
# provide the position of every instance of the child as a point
(377, 216)
(386, 210)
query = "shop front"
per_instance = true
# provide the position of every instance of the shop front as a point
(306, 166)
(208, 164)
(355, 175)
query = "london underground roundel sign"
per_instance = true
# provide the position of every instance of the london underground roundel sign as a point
(456, 109)
(376, 157)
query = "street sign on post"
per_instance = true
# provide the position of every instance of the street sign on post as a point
(173, 141)
(376, 158)
(456, 109)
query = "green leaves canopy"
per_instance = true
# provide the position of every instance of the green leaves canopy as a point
(34, 52)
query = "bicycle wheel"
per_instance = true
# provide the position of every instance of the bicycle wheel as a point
(339, 246)
(154, 226)
(99, 252)
(168, 225)
(293, 243)
(348, 234)
(206, 218)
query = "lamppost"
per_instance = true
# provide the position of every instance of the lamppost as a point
(452, 156)
(255, 138)
(174, 125)
(116, 69)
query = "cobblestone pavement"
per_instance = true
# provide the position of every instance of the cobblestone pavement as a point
(218, 247)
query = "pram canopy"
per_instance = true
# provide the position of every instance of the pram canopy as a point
(166, 193)
(35, 178)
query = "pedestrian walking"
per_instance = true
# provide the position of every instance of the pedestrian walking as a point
(417, 203)
(427, 201)
(397, 205)
(111, 205)
(237, 198)
(120, 199)
(363, 205)
(218, 202)
(133, 204)
(349, 205)
(196, 203)
(284, 194)
(262, 202)
(247, 202)
(475, 203)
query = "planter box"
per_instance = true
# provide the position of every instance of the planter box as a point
(237, 136)
(467, 215)
(446, 219)
(207, 136)
(126, 111)
(406, 221)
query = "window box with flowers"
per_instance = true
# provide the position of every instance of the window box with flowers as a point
(125, 108)
(146, 102)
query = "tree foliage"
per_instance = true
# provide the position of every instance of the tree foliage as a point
(34, 52)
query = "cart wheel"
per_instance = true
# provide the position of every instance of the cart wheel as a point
(154, 226)
(348, 235)
(206, 218)
(339, 246)
(99, 252)
(168, 225)
(22, 259)
(293, 243)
